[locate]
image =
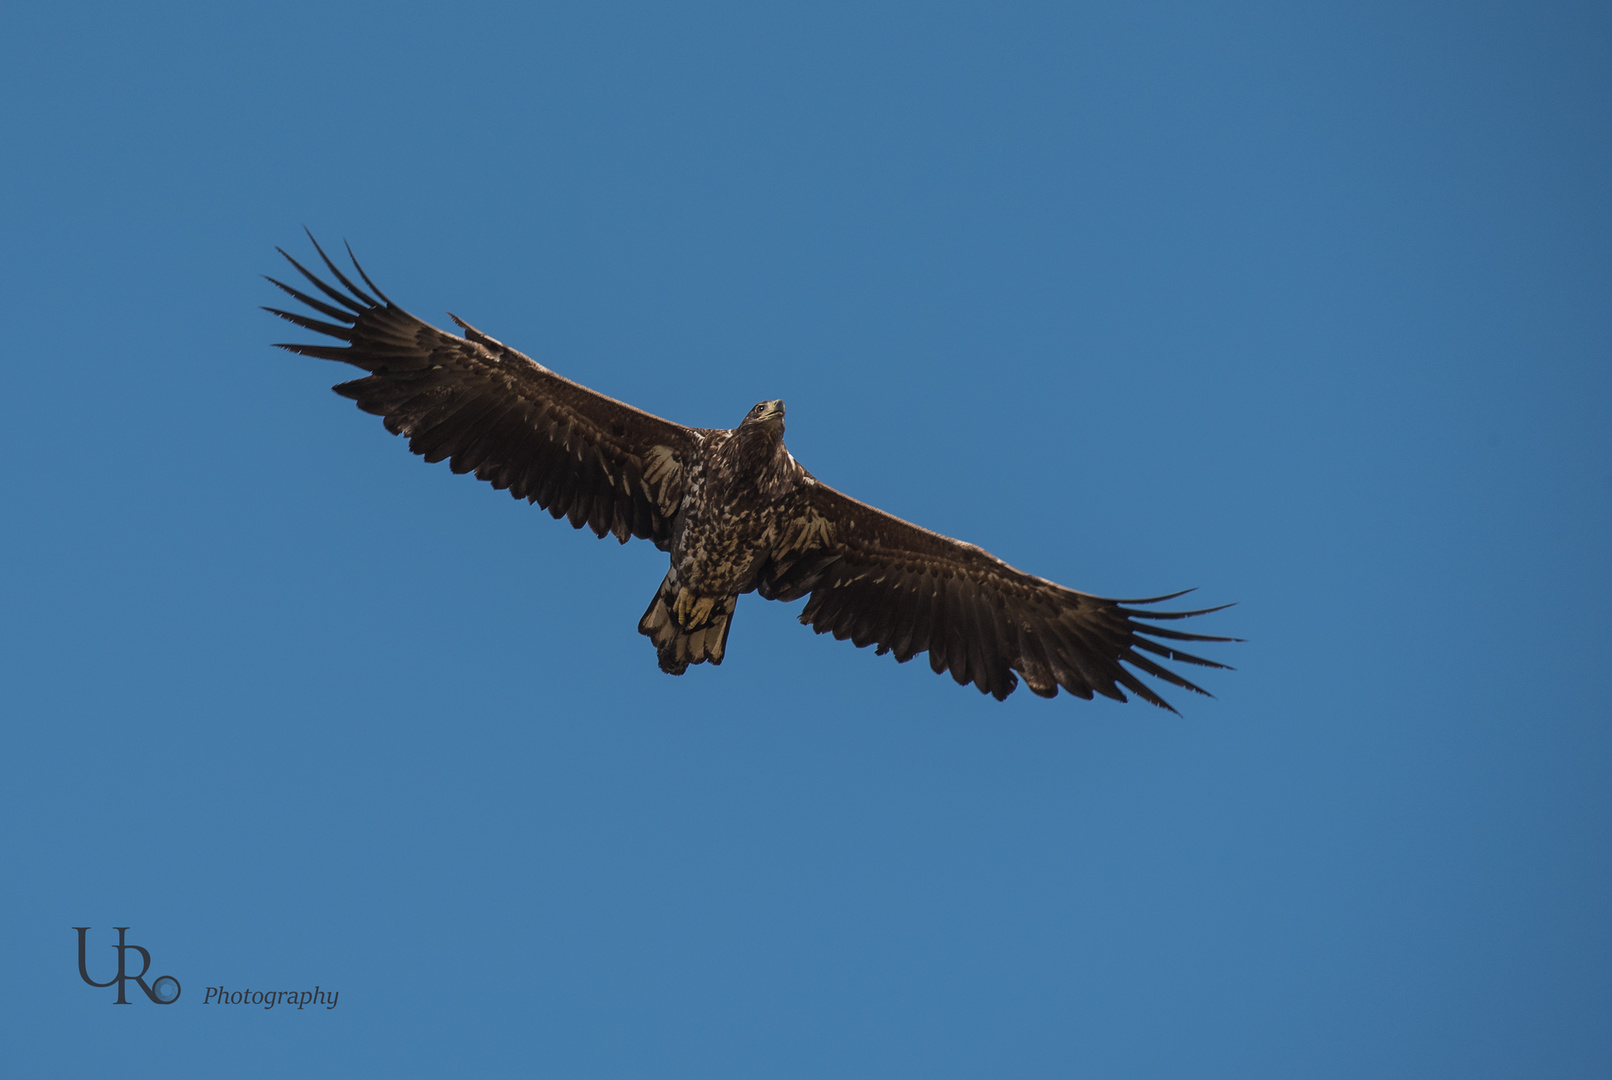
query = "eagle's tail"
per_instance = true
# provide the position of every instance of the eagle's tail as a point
(686, 629)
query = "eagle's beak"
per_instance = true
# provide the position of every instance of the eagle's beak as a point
(775, 410)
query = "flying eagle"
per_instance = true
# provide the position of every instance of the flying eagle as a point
(735, 512)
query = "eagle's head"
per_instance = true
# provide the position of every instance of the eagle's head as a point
(766, 412)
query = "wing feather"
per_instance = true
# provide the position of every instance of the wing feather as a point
(494, 412)
(908, 590)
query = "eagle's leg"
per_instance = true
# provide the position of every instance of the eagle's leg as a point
(686, 628)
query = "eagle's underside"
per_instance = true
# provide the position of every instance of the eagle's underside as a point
(735, 512)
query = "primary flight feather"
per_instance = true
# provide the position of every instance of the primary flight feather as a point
(735, 512)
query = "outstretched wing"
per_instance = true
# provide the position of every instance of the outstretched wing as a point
(490, 410)
(878, 580)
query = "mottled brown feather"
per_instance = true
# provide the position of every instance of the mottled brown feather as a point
(987, 623)
(491, 410)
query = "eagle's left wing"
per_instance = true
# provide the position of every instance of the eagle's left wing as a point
(879, 580)
(500, 414)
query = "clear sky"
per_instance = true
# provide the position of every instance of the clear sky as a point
(1308, 306)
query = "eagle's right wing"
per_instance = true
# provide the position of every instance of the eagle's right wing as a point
(879, 580)
(498, 413)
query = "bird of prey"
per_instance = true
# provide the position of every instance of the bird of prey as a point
(735, 512)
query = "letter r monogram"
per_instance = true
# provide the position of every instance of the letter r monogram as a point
(122, 977)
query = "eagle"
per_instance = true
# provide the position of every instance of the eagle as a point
(735, 512)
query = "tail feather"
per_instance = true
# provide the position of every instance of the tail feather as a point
(687, 629)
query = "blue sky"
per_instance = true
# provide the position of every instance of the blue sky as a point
(1303, 305)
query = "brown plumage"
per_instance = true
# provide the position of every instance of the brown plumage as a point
(734, 511)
